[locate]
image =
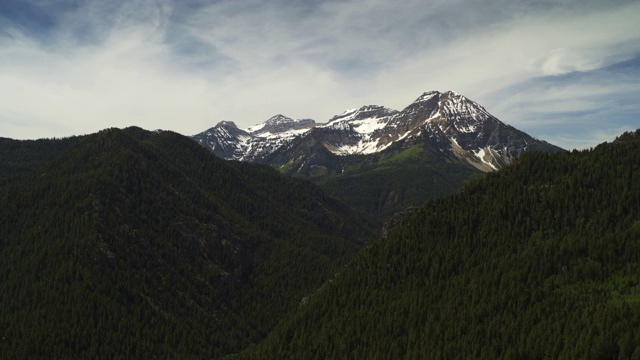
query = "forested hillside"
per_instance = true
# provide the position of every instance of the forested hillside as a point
(538, 260)
(22, 156)
(132, 244)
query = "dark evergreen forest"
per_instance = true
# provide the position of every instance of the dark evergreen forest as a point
(132, 244)
(538, 260)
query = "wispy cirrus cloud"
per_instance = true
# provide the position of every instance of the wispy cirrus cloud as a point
(552, 69)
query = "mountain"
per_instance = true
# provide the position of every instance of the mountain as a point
(448, 122)
(229, 142)
(381, 160)
(133, 244)
(537, 260)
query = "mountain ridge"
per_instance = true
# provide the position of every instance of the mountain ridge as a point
(447, 121)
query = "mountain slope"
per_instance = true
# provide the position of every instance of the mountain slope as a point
(134, 244)
(538, 260)
(385, 183)
(447, 122)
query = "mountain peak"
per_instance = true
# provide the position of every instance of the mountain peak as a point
(226, 123)
(455, 105)
(278, 124)
(426, 96)
(279, 119)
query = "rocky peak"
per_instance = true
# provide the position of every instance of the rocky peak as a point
(225, 123)
(279, 124)
(278, 119)
(426, 96)
(455, 106)
(424, 107)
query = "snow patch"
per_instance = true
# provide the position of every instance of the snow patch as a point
(365, 146)
(480, 154)
(255, 128)
(368, 126)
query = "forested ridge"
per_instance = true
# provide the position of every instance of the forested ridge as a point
(132, 244)
(538, 260)
(18, 157)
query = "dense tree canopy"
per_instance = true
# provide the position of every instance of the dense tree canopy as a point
(539, 260)
(131, 244)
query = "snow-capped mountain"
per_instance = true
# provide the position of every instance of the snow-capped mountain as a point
(381, 160)
(446, 122)
(229, 142)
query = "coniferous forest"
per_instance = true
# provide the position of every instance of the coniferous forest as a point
(133, 244)
(539, 260)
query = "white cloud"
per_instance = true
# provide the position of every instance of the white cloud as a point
(525, 48)
(122, 82)
(586, 139)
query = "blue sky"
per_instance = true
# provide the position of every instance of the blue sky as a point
(561, 70)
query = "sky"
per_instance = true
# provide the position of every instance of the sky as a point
(564, 71)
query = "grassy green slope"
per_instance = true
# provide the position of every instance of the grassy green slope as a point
(539, 260)
(397, 181)
(380, 184)
(130, 244)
